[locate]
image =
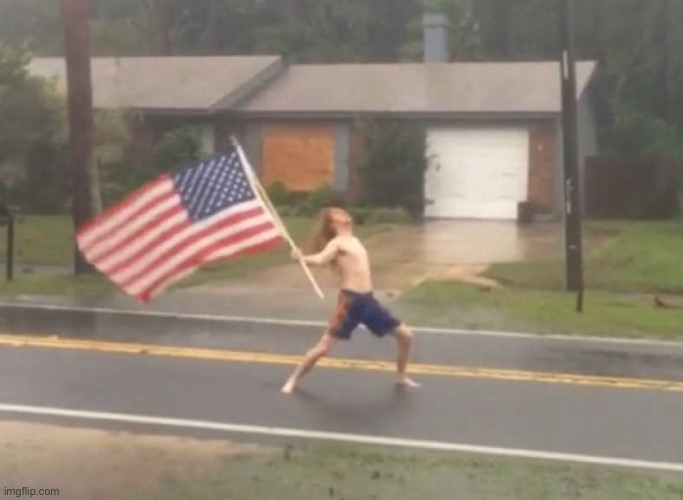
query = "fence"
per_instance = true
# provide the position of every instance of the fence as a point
(630, 188)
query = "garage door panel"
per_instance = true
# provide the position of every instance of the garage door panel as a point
(476, 173)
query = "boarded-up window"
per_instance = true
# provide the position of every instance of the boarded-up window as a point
(301, 157)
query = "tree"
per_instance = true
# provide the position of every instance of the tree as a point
(31, 121)
(85, 186)
(394, 164)
(33, 24)
(464, 37)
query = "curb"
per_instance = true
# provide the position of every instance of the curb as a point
(15, 312)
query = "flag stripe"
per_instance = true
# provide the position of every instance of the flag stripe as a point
(145, 242)
(248, 248)
(167, 253)
(145, 226)
(197, 254)
(141, 261)
(168, 228)
(119, 215)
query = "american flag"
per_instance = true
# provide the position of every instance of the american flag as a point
(176, 223)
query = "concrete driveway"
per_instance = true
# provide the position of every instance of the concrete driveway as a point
(408, 254)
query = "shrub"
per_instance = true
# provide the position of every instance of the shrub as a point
(324, 196)
(279, 194)
(395, 163)
(360, 214)
(396, 215)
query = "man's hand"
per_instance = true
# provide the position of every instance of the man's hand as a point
(296, 254)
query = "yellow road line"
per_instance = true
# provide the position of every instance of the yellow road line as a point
(55, 342)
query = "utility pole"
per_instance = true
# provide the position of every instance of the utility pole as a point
(81, 121)
(572, 198)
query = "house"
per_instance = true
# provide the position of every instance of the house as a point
(493, 129)
(163, 92)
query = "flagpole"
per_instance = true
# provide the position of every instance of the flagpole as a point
(253, 179)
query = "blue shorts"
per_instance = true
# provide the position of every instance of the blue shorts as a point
(360, 308)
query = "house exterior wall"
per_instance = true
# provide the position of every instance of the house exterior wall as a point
(543, 169)
(588, 138)
(325, 154)
(545, 182)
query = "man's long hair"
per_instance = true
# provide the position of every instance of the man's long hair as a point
(322, 232)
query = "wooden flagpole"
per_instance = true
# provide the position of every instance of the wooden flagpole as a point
(256, 184)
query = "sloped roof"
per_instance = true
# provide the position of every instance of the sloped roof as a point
(169, 83)
(417, 88)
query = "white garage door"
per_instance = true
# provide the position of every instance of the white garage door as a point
(476, 173)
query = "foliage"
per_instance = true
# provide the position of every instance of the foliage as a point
(32, 150)
(323, 197)
(465, 41)
(389, 216)
(33, 24)
(635, 41)
(176, 148)
(395, 161)
(122, 174)
(279, 194)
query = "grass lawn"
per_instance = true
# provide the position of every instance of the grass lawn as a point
(44, 244)
(459, 305)
(346, 473)
(644, 259)
(44, 240)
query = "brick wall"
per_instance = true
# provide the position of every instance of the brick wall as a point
(356, 158)
(542, 171)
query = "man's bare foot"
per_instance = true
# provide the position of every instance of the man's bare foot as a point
(406, 381)
(288, 388)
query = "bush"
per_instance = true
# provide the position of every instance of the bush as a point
(279, 194)
(389, 216)
(360, 214)
(394, 168)
(177, 147)
(323, 197)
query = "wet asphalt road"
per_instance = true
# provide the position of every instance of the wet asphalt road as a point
(632, 424)
(651, 360)
(613, 422)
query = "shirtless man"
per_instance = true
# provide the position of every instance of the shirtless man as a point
(335, 245)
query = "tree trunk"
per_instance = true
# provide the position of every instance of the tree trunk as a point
(502, 29)
(81, 121)
(212, 32)
(162, 27)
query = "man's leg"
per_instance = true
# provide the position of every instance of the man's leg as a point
(404, 339)
(322, 348)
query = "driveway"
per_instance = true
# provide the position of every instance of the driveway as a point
(462, 249)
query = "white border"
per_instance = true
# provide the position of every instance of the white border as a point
(341, 437)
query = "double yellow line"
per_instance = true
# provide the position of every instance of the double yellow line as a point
(54, 342)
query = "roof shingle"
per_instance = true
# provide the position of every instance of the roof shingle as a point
(164, 83)
(430, 88)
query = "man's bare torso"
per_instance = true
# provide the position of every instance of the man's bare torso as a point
(352, 265)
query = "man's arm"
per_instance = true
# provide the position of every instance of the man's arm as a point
(327, 255)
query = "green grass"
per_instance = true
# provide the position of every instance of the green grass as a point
(646, 257)
(643, 259)
(354, 474)
(458, 305)
(57, 284)
(41, 240)
(44, 248)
